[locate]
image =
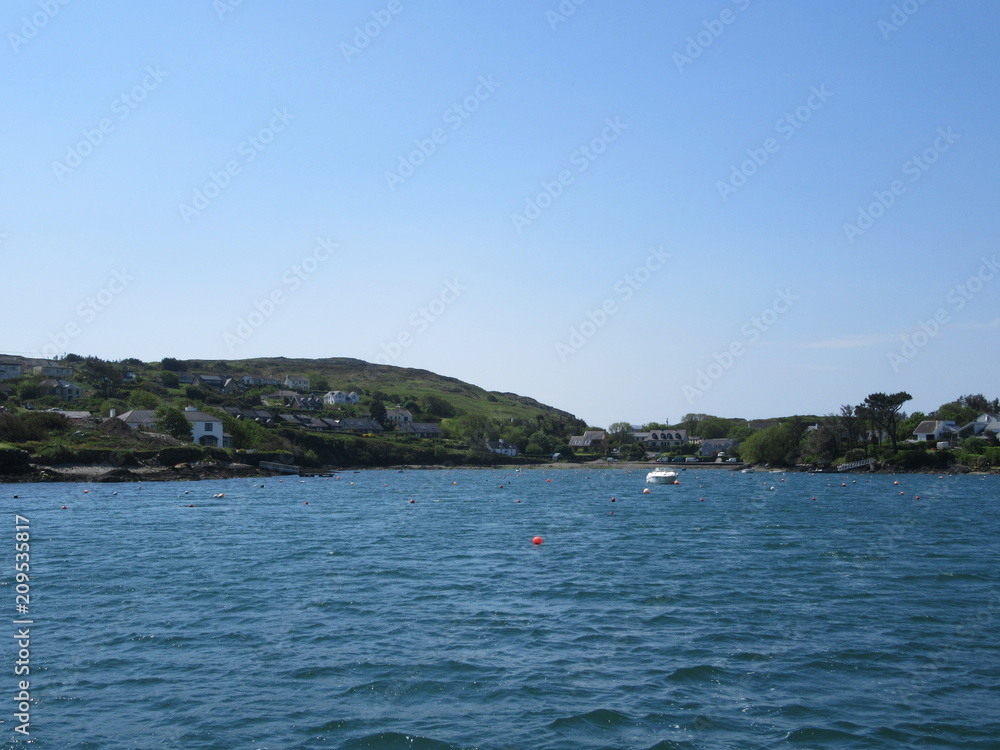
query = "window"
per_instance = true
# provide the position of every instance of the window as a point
(208, 426)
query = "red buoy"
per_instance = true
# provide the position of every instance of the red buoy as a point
(536, 540)
(612, 500)
(412, 500)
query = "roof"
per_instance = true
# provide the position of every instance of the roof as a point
(138, 416)
(200, 416)
(929, 427)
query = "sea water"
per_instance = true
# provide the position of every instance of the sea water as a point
(731, 610)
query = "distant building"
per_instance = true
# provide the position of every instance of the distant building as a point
(593, 439)
(502, 447)
(61, 388)
(297, 382)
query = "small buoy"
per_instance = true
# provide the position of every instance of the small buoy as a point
(352, 484)
(548, 480)
(86, 492)
(611, 513)
(190, 506)
(612, 500)
(843, 484)
(895, 482)
(16, 497)
(701, 499)
(306, 502)
(454, 483)
(901, 493)
(412, 501)
(646, 491)
(917, 497)
(814, 498)
(676, 482)
(64, 507)
(519, 501)
(536, 540)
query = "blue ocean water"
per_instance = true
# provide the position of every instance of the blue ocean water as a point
(730, 611)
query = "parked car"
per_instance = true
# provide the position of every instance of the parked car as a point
(732, 460)
(691, 459)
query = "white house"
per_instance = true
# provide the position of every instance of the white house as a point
(297, 382)
(335, 397)
(660, 439)
(53, 370)
(983, 425)
(502, 447)
(353, 398)
(930, 431)
(205, 429)
(400, 416)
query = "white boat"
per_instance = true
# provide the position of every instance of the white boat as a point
(661, 476)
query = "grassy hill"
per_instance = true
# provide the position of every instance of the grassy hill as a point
(396, 384)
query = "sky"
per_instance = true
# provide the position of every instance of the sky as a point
(630, 211)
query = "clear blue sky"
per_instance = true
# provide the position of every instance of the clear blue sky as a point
(631, 211)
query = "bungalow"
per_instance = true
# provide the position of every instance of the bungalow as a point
(332, 398)
(289, 420)
(362, 425)
(419, 429)
(61, 388)
(296, 382)
(589, 439)
(930, 431)
(53, 370)
(398, 415)
(502, 447)
(353, 398)
(212, 381)
(185, 378)
(9, 368)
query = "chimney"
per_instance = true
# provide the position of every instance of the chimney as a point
(114, 413)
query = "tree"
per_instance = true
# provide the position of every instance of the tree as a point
(774, 445)
(884, 411)
(620, 433)
(176, 365)
(713, 427)
(171, 420)
(317, 381)
(740, 432)
(377, 410)
(170, 379)
(106, 377)
(956, 411)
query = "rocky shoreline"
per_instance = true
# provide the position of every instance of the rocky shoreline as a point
(186, 472)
